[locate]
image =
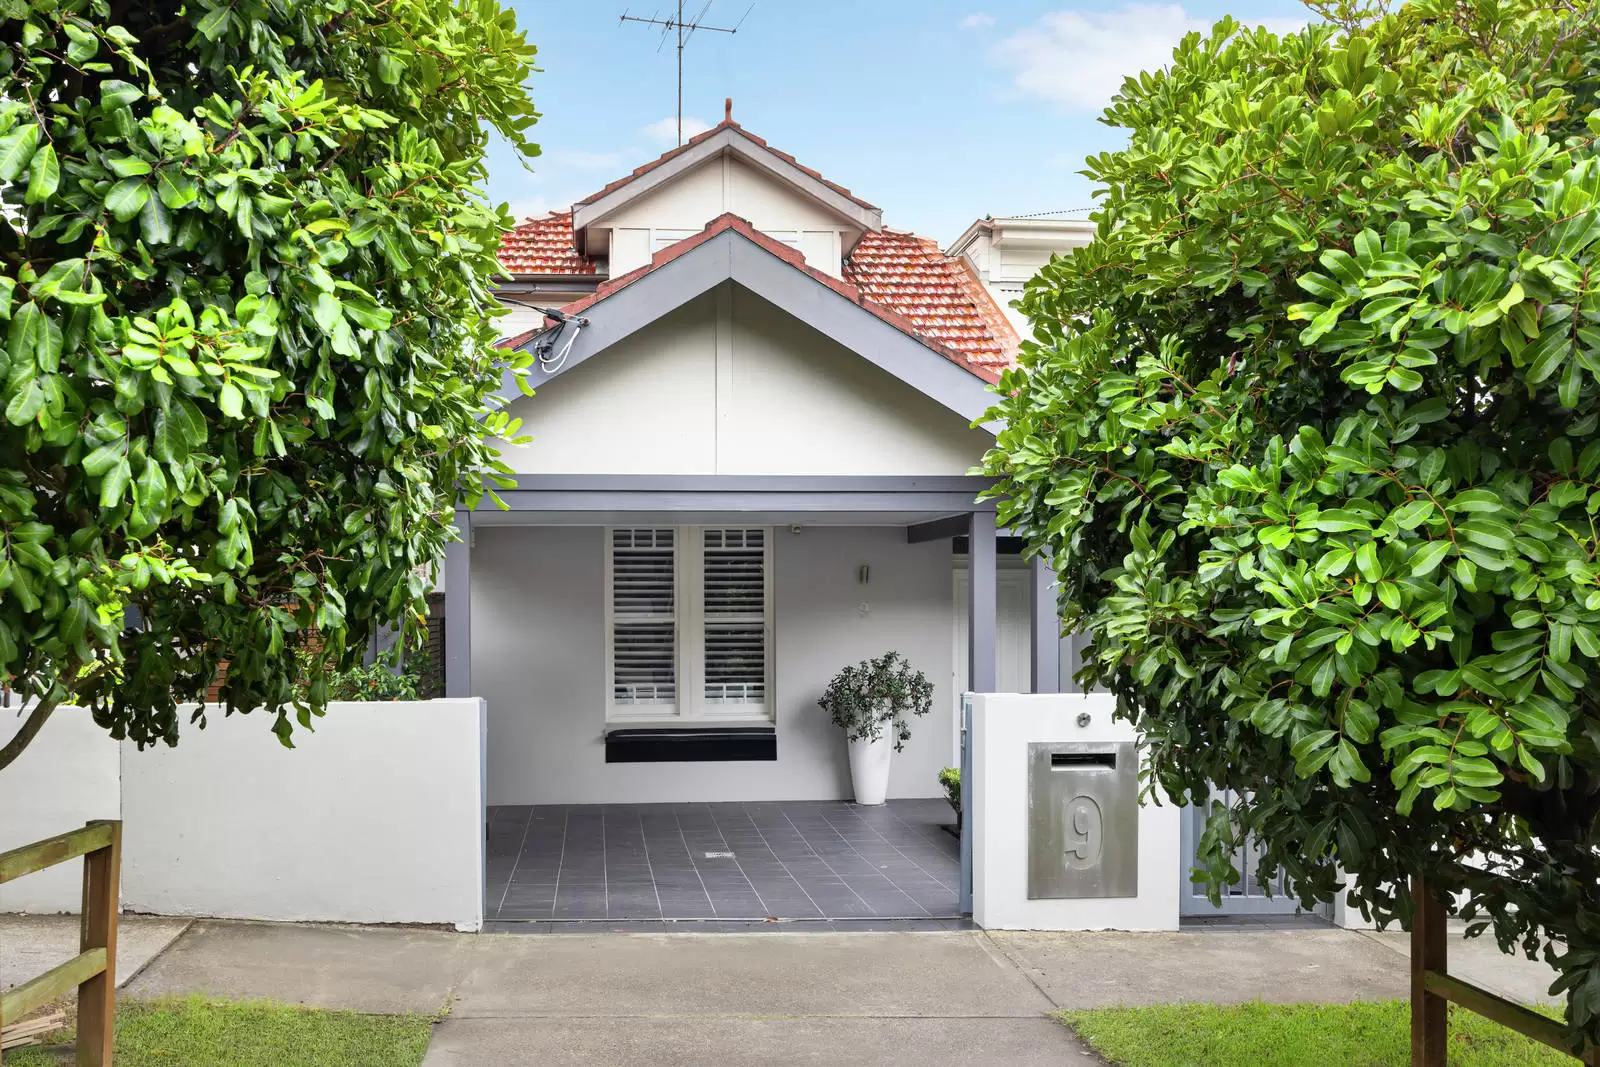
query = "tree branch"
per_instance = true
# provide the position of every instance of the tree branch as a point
(30, 729)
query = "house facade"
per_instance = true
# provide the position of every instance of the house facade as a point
(752, 442)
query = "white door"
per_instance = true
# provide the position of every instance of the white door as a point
(1013, 645)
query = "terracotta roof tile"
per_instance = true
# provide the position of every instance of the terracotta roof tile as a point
(543, 246)
(983, 362)
(936, 293)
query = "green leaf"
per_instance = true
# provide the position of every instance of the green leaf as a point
(1367, 562)
(154, 222)
(116, 94)
(176, 189)
(44, 175)
(115, 483)
(127, 198)
(16, 150)
(1428, 557)
(231, 400)
(214, 24)
(1339, 520)
(127, 166)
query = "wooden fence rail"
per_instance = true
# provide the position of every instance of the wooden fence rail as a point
(1433, 990)
(94, 969)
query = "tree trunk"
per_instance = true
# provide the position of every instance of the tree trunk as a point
(30, 729)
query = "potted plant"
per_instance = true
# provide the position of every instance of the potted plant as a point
(872, 702)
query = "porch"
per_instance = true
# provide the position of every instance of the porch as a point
(826, 571)
(804, 861)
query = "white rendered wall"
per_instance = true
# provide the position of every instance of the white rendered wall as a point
(728, 384)
(67, 776)
(376, 817)
(717, 187)
(538, 659)
(1003, 726)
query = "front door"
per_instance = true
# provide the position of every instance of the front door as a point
(1013, 648)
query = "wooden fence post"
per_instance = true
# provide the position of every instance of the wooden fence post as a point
(97, 996)
(1430, 1021)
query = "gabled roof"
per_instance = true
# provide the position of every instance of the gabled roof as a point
(543, 246)
(731, 249)
(931, 295)
(983, 363)
(700, 138)
(938, 294)
(726, 137)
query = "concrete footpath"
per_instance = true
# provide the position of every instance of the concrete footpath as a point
(960, 997)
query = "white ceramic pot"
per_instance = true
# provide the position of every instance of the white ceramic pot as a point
(869, 769)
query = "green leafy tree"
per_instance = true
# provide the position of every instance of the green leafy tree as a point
(1312, 430)
(246, 325)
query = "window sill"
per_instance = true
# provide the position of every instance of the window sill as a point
(701, 743)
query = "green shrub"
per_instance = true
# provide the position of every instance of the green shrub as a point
(877, 695)
(1312, 430)
(950, 778)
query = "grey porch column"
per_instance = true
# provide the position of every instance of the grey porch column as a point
(981, 603)
(458, 610)
(1045, 626)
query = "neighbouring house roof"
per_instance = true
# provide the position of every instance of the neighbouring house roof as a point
(938, 294)
(896, 275)
(543, 246)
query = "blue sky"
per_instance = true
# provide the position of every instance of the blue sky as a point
(937, 112)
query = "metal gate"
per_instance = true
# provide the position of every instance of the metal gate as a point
(1245, 897)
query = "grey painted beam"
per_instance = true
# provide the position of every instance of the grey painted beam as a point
(458, 610)
(981, 609)
(1045, 626)
(937, 530)
(738, 493)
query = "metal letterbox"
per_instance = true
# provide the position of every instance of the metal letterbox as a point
(1083, 819)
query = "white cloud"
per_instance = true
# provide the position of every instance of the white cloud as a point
(665, 131)
(977, 21)
(1077, 60)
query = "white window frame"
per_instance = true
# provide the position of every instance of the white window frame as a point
(691, 707)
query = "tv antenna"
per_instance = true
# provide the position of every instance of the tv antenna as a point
(684, 30)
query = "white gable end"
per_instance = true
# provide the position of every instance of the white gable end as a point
(728, 384)
(723, 184)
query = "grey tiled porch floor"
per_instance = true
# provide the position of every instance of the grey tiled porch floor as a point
(792, 860)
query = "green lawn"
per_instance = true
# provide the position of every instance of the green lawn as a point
(1294, 1035)
(196, 1032)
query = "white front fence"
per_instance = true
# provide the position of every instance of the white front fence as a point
(376, 816)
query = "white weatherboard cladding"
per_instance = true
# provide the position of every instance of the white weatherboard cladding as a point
(720, 186)
(729, 384)
(539, 648)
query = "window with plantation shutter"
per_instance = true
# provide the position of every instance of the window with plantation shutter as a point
(689, 623)
(734, 620)
(644, 621)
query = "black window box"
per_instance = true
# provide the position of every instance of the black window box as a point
(704, 745)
